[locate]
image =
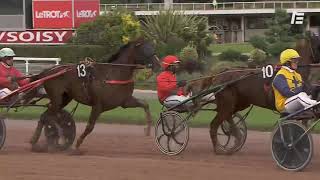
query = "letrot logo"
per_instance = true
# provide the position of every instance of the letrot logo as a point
(86, 14)
(297, 18)
(52, 14)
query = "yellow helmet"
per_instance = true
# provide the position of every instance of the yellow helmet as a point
(287, 55)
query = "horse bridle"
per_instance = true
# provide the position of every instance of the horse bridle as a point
(156, 59)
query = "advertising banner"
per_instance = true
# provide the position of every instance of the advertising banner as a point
(85, 11)
(52, 14)
(35, 37)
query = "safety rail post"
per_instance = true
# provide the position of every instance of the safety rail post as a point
(27, 66)
(57, 61)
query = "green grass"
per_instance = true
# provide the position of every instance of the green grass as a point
(241, 47)
(258, 119)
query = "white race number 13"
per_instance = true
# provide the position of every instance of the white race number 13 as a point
(267, 71)
(81, 70)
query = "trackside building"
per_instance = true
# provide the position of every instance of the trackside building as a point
(232, 22)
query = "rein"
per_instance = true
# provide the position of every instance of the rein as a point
(310, 65)
(138, 66)
(312, 52)
(225, 72)
(89, 60)
(120, 82)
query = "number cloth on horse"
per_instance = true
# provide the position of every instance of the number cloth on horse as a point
(288, 85)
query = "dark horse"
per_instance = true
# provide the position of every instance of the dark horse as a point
(105, 87)
(252, 89)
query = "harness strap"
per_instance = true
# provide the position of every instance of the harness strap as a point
(118, 81)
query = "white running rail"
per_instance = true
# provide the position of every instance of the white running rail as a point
(37, 64)
(210, 6)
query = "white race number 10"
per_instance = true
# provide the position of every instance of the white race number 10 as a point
(267, 71)
(81, 70)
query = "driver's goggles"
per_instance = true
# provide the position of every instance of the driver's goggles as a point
(295, 60)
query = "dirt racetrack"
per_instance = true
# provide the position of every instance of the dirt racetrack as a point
(122, 152)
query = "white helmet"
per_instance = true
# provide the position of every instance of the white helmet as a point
(6, 52)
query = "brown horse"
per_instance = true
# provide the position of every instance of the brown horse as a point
(103, 86)
(253, 90)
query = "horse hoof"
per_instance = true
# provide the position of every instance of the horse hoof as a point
(219, 151)
(52, 149)
(39, 149)
(76, 152)
(32, 141)
(62, 140)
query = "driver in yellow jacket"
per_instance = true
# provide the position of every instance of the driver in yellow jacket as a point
(287, 84)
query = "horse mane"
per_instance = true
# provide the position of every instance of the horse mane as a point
(116, 55)
(54, 69)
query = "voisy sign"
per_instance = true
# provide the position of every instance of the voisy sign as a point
(35, 37)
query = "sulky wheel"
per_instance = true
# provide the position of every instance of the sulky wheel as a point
(171, 133)
(2, 132)
(232, 134)
(294, 151)
(59, 129)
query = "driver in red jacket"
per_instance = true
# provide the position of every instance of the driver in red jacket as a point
(170, 91)
(8, 73)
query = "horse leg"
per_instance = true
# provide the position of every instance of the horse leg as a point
(58, 103)
(95, 112)
(133, 103)
(235, 131)
(214, 128)
(234, 126)
(36, 135)
(225, 109)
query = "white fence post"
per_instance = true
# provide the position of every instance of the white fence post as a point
(28, 60)
(27, 67)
